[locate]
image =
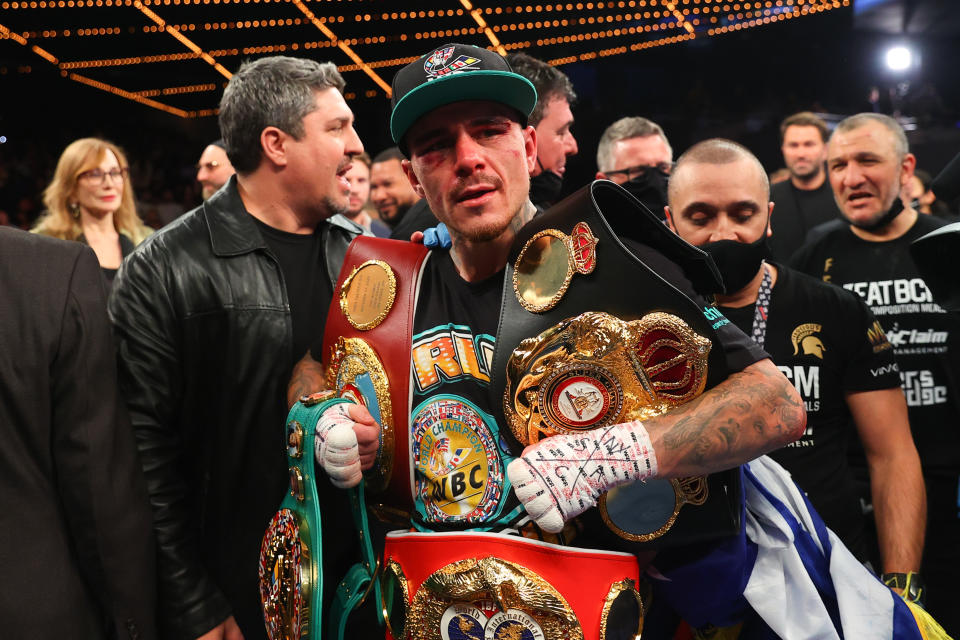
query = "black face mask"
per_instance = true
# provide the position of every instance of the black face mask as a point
(883, 220)
(738, 262)
(545, 188)
(650, 189)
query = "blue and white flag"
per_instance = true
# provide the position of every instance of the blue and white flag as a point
(785, 576)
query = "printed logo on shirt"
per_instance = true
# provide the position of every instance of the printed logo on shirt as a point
(887, 297)
(715, 317)
(806, 379)
(878, 339)
(912, 341)
(885, 369)
(921, 389)
(459, 472)
(451, 352)
(804, 337)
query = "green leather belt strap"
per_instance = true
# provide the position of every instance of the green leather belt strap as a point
(361, 578)
(302, 497)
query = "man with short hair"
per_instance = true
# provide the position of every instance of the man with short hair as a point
(213, 168)
(390, 193)
(868, 164)
(553, 121)
(634, 152)
(359, 178)
(211, 314)
(805, 200)
(820, 337)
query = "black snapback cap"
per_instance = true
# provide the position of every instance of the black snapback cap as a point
(452, 73)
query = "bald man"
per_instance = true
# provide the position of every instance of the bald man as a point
(823, 338)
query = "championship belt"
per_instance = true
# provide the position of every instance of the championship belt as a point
(592, 334)
(454, 586)
(291, 580)
(366, 350)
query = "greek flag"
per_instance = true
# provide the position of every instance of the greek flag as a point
(785, 576)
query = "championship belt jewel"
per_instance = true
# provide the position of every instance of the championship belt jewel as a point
(592, 334)
(489, 586)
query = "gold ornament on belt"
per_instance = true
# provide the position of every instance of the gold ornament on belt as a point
(368, 293)
(462, 593)
(595, 370)
(356, 373)
(547, 262)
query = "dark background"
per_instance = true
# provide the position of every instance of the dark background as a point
(738, 85)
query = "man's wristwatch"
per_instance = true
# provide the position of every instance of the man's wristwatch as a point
(909, 583)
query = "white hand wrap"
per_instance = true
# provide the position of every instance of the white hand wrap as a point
(336, 447)
(561, 477)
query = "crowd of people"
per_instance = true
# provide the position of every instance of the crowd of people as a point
(835, 365)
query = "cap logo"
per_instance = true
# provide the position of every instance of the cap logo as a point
(437, 64)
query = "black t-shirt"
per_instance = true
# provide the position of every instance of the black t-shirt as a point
(922, 334)
(306, 280)
(796, 212)
(819, 336)
(459, 454)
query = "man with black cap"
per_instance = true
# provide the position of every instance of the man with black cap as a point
(823, 338)
(460, 116)
(868, 164)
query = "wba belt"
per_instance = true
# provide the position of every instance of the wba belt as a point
(592, 332)
(448, 586)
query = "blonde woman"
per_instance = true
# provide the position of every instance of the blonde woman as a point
(91, 200)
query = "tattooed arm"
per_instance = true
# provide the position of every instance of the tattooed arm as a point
(747, 415)
(308, 376)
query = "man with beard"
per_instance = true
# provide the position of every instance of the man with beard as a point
(390, 193)
(805, 200)
(868, 164)
(553, 120)
(820, 337)
(635, 153)
(211, 314)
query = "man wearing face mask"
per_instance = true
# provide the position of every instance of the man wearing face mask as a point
(868, 164)
(552, 119)
(634, 153)
(824, 339)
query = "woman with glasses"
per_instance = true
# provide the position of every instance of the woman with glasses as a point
(91, 200)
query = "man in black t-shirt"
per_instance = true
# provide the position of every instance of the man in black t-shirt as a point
(868, 162)
(823, 339)
(211, 314)
(805, 200)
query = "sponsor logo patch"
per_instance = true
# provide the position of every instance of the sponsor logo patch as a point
(804, 338)
(878, 339)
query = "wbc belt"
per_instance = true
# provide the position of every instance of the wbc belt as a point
(452, 586)
(366, 350)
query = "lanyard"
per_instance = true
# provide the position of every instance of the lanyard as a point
(761, 314)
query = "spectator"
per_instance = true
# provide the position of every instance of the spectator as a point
(805, 200)
(869, 162)
(819, 336)
(553, 120)
(213, 168)
(358, 175)
(390, 191)
(75, 540)
(634, 152)
(91, 200)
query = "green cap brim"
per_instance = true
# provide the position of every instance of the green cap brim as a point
(504, 87)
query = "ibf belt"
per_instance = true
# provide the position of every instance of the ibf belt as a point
(490, 586)
(366, 350)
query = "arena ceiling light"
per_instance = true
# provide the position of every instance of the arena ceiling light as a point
(899, 58)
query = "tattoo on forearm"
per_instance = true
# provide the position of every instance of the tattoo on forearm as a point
(741, 418)
(308, 376)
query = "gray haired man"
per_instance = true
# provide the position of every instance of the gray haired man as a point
(635, 153)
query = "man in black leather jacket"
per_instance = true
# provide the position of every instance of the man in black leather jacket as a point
(211, 314)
